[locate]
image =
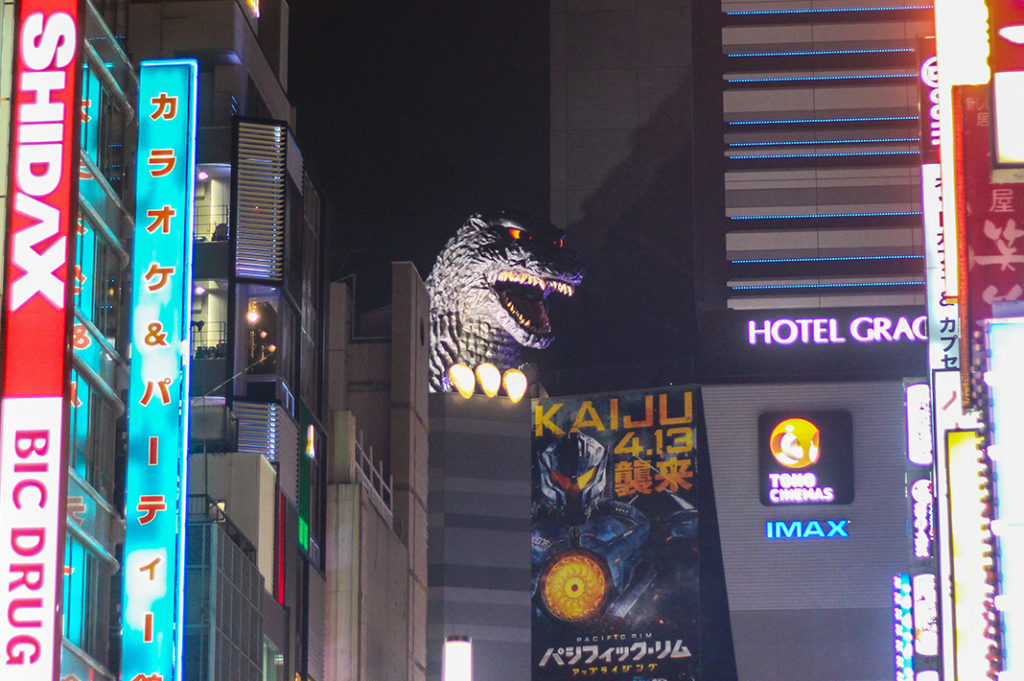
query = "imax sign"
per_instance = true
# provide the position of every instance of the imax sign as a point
(806, 529)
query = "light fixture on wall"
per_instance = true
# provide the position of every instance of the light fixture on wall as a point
(490, 380)
(457, 664)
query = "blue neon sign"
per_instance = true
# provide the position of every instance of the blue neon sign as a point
(806, 529)
(158, 397)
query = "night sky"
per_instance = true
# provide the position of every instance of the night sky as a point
(416, 114)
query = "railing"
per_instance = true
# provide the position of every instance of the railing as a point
(201, 508)
(209, 340)
(212, 222)
(371, 475)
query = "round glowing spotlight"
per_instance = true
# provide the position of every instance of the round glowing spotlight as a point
(515, 384)
(252, 316)
(462, 379)
(203, 176)
(489, 377)
(200, 289)
(574, 586)
(271, 348)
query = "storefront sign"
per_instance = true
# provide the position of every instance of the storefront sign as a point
(158, 396)
(805, 457)
(824, 330)
(37, 317)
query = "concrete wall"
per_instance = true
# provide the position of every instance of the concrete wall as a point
(479, 550)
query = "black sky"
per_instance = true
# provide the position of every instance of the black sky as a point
(416, 114)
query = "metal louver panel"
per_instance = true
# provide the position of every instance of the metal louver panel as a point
(259, 189)
(266, 429)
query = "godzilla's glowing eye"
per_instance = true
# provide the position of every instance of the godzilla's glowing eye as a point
(515, 233)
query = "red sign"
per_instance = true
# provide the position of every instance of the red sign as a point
(992, 243)
(1006, 35)
(37, 318)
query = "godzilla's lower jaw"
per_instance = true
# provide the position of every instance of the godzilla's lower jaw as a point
(523, 297)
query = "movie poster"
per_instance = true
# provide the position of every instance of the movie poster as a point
(614, 542)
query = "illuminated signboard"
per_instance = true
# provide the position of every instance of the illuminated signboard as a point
(923, 518)
(37, 315)
(828, 330)
(943, 313)
(159, 389)
(805, 457)
(903, 627)
(926, 615)
(1006, 36)
(919, 424)
(974, 614)
(961, 42)
(1005, 367)
(807, 529)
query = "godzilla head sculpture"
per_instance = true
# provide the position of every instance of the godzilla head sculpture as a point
(489, 290)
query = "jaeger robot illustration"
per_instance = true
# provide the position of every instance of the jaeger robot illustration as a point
(591, 553)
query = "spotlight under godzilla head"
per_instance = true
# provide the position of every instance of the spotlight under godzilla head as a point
(489, 291)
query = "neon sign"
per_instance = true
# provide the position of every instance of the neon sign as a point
(158, 395)
(926, 614)
(827, 330)
(919, 424)
(37, 315)
(903, 627)
(806, 529)
(976, 645)
(806, 458)
(924, 522)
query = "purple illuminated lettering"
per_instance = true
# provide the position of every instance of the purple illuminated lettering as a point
(792, 331)
(858, 332)
(753, 332)
(882, 326)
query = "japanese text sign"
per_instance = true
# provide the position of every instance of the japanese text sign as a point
(158, 398)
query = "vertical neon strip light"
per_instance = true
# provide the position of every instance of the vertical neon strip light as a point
(37, 310)
(961, 42)
(971, 546)
(1006, 388)
(158, 396)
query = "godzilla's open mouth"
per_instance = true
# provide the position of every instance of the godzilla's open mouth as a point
(524, 297)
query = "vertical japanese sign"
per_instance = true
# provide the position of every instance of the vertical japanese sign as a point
(1006, 41)
(943, 314)
(615, 542)
(993, 223)
(158, 396)
(37, 311)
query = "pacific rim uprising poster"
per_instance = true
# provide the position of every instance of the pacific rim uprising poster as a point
(614, 541)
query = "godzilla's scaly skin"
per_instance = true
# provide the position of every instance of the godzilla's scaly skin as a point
(488, 290)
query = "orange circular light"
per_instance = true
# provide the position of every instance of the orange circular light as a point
(795, 443)
(574, 586)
